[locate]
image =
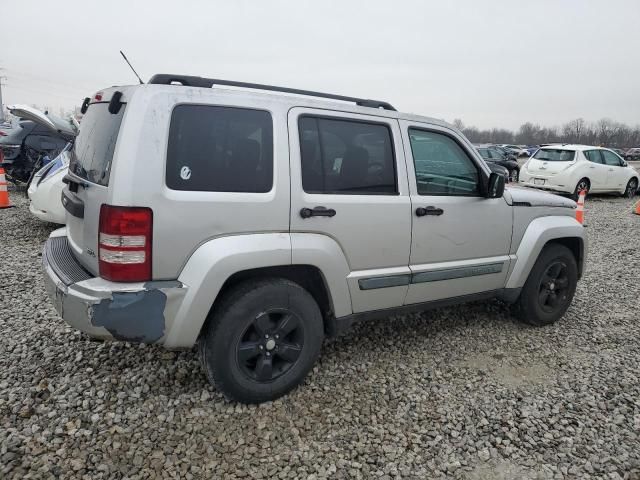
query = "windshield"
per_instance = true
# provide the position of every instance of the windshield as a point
(554, 155)
(93, 150)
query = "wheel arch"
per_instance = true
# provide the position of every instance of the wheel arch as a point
(541, 232)
(221, 263)
(308, 277)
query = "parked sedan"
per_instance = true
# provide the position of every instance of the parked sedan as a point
(572, 168)
(495, 156)
(45, 190)
(518, 151)
(632, 154)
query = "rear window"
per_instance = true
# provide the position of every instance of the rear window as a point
(220, 149)
(554, 155)
(93, 149)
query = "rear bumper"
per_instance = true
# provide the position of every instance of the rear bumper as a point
(135, 312)
(549, 185)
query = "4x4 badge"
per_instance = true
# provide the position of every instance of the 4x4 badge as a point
(185, 173)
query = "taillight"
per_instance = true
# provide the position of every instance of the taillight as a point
(124, 243)
(2, 134)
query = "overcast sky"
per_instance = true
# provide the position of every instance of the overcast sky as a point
(492, 63)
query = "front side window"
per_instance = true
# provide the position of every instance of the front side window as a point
(593, 156)
(220, 149)
(346, 157)
(442, 166)
(611, 158)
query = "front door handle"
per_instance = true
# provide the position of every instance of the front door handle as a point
(421, 211)
(317, 212)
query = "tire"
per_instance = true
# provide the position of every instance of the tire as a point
(262, 340)
(514, 175)
(631, 189)
(583, 184)
(542, 300)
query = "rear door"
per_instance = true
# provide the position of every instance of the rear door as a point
(89, 171)
(349, 183)
(460, 240)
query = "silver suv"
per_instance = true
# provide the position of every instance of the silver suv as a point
(256, 220)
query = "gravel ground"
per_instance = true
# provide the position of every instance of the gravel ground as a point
(463, 392)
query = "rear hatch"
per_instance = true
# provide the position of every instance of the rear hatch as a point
(88, 178)
(66, 129)
(550, 161)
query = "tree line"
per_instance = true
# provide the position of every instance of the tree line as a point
(605, 132)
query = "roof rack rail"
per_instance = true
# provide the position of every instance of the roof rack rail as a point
(191, 81)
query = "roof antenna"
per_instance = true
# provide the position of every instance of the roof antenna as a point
(130, 66)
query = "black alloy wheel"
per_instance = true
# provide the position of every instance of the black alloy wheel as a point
(270, 345)
(554, 287)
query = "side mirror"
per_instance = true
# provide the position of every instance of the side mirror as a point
(495, 186)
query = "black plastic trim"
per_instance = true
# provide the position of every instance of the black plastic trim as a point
(384, 282)
(344, 323)
(58, 255)
(192, 81)
(72, 203)
(370, 283)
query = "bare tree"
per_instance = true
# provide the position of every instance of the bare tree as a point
(604, 132)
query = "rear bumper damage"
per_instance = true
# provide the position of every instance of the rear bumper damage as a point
(135, 312)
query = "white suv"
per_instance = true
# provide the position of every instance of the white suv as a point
(254, 221)
(572, 168)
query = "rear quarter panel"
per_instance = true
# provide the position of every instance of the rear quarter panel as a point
(184, 220)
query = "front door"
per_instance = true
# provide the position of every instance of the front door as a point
(616, 173)
(598, 171)
(461, 240)
(349, 184)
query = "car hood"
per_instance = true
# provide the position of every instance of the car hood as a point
(65, 129)
(535, 198)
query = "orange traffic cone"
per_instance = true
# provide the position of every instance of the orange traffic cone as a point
(580, 208)
(4, 194)
(636, 209)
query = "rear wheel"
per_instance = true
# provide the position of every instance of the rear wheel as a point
(583, 184)
(549, 290)
(632, 188)
(262, 340)
(514, 175)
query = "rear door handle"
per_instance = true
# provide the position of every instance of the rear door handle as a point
(317, 212)
(421, 211)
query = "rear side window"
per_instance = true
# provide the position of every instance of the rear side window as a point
(93, 149)
(220, 149)
(554, 155)
(346, 157)
(593, 156)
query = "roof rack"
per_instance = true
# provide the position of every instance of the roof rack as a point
(191, 81)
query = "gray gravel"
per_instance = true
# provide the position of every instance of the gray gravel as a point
(463, 392)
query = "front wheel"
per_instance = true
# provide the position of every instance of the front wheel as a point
(632, 188)
(262, 340)
(514, 175)
(549, 290)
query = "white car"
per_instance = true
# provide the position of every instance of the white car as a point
(571, 168)
(45, 190)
